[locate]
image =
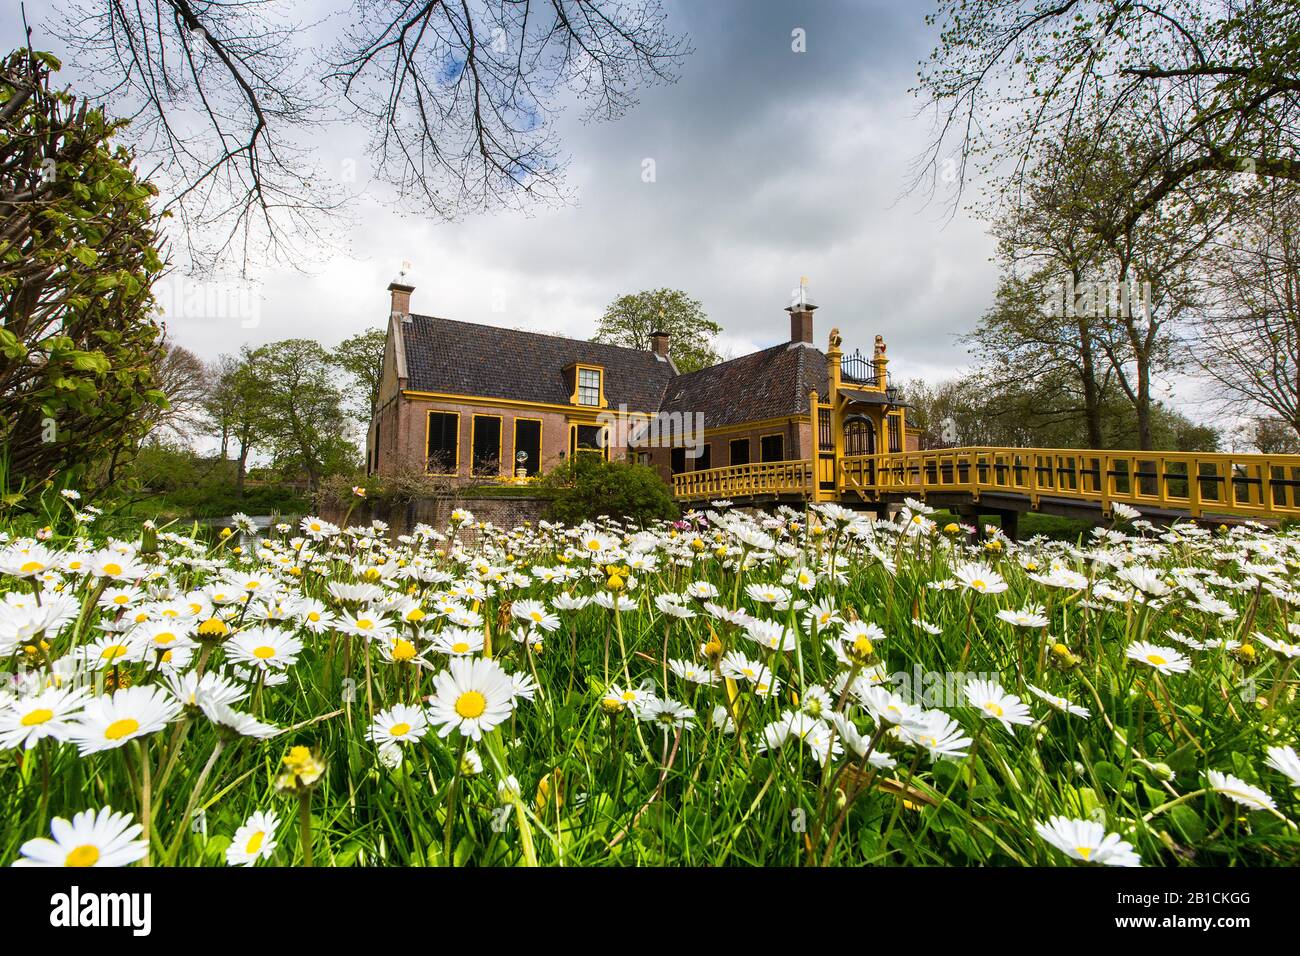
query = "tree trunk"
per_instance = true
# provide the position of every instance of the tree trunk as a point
(239, 474)
(1091, 393)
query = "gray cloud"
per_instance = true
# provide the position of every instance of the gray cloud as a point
(770, 165)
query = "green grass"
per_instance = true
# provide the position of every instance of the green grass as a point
(599, 787)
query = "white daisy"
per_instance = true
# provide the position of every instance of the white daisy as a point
(46, 714)
(264, 648)
(112, 721)
(1239, 791)
(400, 724)
(1285, 760)
(472, 696)
(93, 838)
(1165, 660)
(1088, 841)
(253, 841)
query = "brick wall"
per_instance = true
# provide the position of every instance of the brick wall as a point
(504, 512)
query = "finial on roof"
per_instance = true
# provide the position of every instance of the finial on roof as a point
(800, 299)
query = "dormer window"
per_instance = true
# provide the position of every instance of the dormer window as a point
(588, 386)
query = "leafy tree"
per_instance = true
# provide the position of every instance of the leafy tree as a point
(631, 319)
(297, 407)
(1271, 436)
(78, 253)
(587, 487)
(361, 359)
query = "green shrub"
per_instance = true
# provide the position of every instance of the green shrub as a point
(587, 487)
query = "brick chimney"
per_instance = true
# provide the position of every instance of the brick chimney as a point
(401, 298)
(659, 344)
(801, 315)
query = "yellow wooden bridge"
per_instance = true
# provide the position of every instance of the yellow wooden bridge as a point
(1002, 482)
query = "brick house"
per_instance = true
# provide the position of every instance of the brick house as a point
(473, 402)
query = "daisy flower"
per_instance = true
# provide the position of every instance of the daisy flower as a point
(472, 696)
(938, 734)
(536, 614)
(1060, 703)
(1165, 660)
(994, 703)
(264, 648)
(111, 721)
(1239, 791)
(253, 841)
(669, 714)
(1285, 760)
(979, 578)
(235, 723)
(399, 724)
(47, 714)
(458, 641)
(1027, 617)
(1088, 841)
(93, 838)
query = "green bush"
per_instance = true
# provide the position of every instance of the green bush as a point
(587, 487)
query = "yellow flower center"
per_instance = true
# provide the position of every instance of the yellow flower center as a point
(38, 716)
(112, 568)
(1156, 659)
(166, 637)
(399, 730)
(113, 651)
(313, 616)
(978, 585)
(255, 842)
(1084, 851)
(403, 650)
(471, 704)
(993, 709)
(460, 647)
(85, 855)
(213, 626)
(31, 567)
(264, 652)
(365, 623)
(121, 728)
(120, 599)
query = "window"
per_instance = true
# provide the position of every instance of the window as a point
(587, 439)
(895, 434)
(678, 461)
(528, 446)
(588, 386)
(772, 448)
(443, 445)
(487, 444)
(643, 458)
(375, 466)
(705, 460)
(859, 437)
(740, 451)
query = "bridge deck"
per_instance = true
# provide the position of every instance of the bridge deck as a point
(1076, 482)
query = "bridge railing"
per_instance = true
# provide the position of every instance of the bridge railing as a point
(1198, 483)
(741, 481)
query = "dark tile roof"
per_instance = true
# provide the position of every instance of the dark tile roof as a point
(772, 383)
(466, 358)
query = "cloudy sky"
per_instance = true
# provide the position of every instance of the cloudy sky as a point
(769, 165)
